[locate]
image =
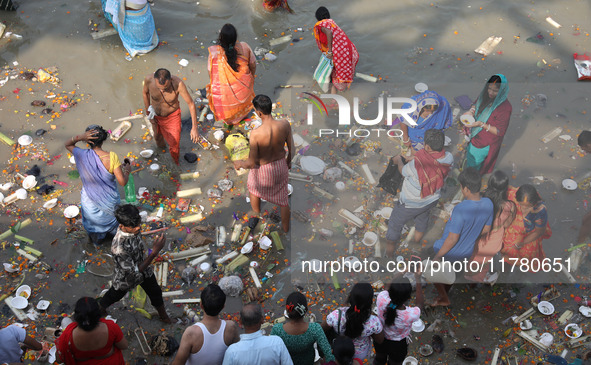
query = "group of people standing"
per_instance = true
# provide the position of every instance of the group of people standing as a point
(345, 337)
(232, 69)
(501, 219)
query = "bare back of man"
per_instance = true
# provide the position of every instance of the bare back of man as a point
(270, 139)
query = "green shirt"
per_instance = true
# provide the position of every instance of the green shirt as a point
(301, 347)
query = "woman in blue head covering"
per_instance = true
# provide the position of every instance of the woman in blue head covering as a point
(433, 112)
(492, 113)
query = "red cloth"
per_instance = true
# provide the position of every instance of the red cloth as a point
(499, 118)
(431, 172)
(170, 128)
(344, 53)
(70, 355)
(271, 5)
(269, 182)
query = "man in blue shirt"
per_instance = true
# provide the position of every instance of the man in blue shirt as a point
(253, 347)
(10, 339)
(469, 220)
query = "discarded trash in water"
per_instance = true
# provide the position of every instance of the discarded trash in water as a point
(551, 135)
(541, 100)
(467, 353)
(488, 45)
(312, 165)
(225, 184)
(583, 66)
(25, 140)
(231, 285)
(569, 184)
(545, 307)
(421, 87)
(553, 22)
(538, 38)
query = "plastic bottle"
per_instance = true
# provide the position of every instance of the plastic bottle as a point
(130, 190)
(160, 211)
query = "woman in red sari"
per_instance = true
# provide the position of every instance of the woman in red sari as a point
(231, 66)
(90, 339)
(332, 41)
(523, 238)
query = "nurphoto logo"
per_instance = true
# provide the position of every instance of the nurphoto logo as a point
(344, 111)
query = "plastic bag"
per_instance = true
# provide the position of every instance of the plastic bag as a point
(583, 66)
(138, 296)
(237, 146)
(323, 72)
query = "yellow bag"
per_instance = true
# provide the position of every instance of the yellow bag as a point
(238, 147)
(138, 297)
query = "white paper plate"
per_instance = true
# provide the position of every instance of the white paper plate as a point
(72, 160)
(584, 310)
(29, 182)
(19, 302)
(545, 308)
(467, 120)
(578, 331)
(289, 189)
(6, 187)
(23, 291)
(569, 184)
(265, 243)
(421, 87)
(21, 194)
(369, 238)
(247, 248)
(418, 325)
(146, 153)
(71, 211)
(386, 212)
(312, 165)
(10, 267)
(447, 141)
(50, 203)
(43, 305)
(25, 140)
(410, 361)
(526, 325)
(352, 262)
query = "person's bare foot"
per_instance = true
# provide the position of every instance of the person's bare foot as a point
(439, 302)
(166, 319)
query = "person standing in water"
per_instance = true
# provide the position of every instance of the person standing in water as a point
(492, 113)
(268, 161)
(161, 96)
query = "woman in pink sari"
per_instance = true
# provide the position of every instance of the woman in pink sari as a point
(332, 41)
(490, 244)
(231, 67)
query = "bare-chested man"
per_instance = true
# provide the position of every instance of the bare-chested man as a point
(161, 92)
(268, 161)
